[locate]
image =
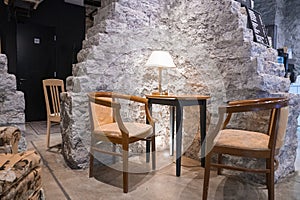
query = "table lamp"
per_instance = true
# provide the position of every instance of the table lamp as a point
(160, 59)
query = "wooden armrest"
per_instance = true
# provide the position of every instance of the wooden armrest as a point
(103, 101)
(253, 101)
(118, 96)
(250, 105)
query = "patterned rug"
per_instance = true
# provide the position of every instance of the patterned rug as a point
(40, 127)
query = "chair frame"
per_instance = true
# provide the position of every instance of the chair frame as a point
(125, 140)
(253, 105)
(56, 86)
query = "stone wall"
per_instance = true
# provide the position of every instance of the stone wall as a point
(12, 103)
(291, 28)
(214, 53)
(272, 13)
(285, 15)
(267, 9)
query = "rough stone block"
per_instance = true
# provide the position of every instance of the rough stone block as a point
(110, 26)
(3, 63)
(121, 14)
(82, 84)
(7, 82)
(12, 101)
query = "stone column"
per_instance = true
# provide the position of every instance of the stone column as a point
(12, 102)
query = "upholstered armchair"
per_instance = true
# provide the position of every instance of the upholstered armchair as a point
(248, 144)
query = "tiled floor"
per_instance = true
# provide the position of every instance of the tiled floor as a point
(60, 182)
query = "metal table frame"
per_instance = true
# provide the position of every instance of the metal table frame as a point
(177, 102)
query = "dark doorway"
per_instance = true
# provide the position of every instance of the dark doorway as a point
(36, 60)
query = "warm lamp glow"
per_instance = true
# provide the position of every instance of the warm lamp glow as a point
(160, 59)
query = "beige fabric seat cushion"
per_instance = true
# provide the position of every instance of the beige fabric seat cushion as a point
(253, 140)
(242, 139)
(135, 130)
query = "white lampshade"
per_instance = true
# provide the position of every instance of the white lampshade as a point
(160, 59)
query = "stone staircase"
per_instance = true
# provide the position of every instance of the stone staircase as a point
(212, 48)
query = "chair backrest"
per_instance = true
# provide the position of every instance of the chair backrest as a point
(100, 114)
(52, 89)
(282, 126)
(278, 119)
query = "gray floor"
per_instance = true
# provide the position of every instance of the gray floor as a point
(60, 182)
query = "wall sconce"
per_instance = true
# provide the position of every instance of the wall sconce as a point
(160, 59)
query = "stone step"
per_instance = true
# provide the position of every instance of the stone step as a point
(93, 49)
(96, 40)
(269, 67)
(3, 63)
(82, 54)
(9, 103)
(269, 83)
(146, 6)
(262, 51)
(89, 67)
(105, 3)
(8, 82)
(109, 26)
(134, 4)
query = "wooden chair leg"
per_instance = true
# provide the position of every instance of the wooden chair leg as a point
(220, 158)
(91, 169)
(114, 150)
(270, 178)
(206, 176)
(153, 148)
(125, 167)
(147, 150)
(48, 133)
(267, 174)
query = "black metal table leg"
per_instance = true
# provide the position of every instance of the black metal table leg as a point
(147, 141)
(172, 115)
(203, 131)
(179, 111)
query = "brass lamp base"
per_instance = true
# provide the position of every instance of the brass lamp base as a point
(160, 93)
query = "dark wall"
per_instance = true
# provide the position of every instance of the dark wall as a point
(8, 37)
(68, 21)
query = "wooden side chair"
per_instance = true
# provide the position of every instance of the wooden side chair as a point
(52, 89)
(107, 125)
(245, 143)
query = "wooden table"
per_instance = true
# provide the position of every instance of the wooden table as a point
(177, 102)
